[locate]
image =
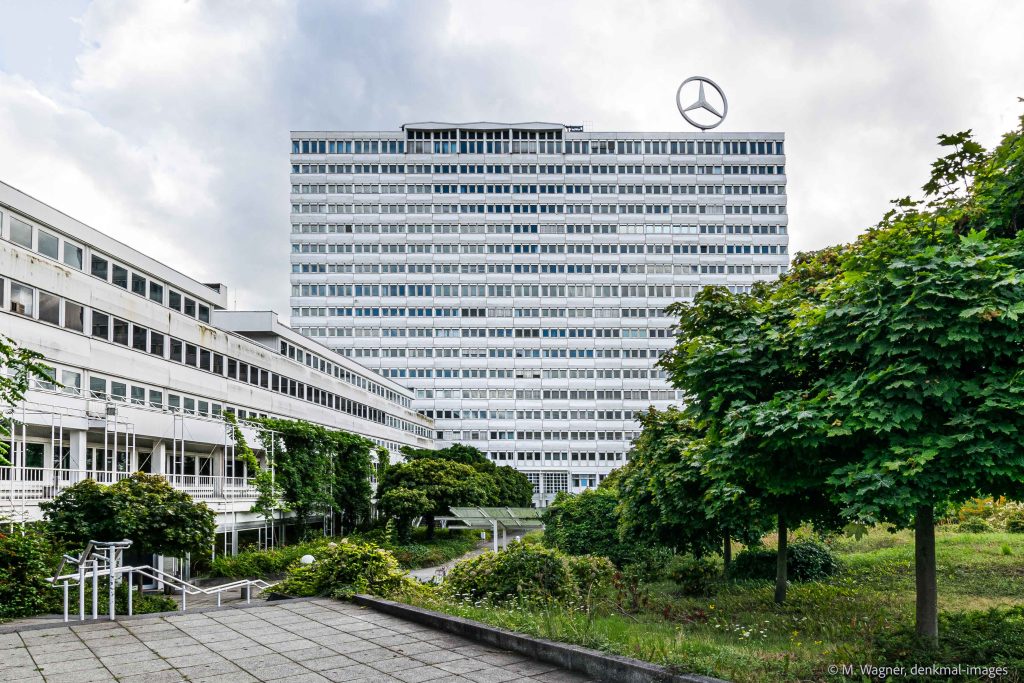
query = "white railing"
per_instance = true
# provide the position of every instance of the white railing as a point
(35, 484)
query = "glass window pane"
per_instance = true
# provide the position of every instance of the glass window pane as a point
(204, 313)
(100, 267)
(118, 391)
(138, 284)
(22, 299)
(72, 382)
(190, 307)
(73, 255)
(173, 401)
(139, 338)
(49, 245)
(174, 299)
(156, 399)
(21, 233)
(98, 387)
(120, 331)
(74, 316)
(156, 343)
(120, 276)
(100, 325)
(204, 359)
(191, 355)
(49, 308)
(156, 292)
(177, 351)
(139, 395)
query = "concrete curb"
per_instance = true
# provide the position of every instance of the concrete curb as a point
(604, 667)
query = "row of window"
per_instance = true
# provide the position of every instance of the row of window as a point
(528, 373)
(504, 394)
(321, 364)
(46, 307)
(532, 269)
(536, 169)
(528, 414)
(525, 248)
(345, 189)
(534, 229)
(330, 311)
(542, 209)
(59, 248)
(531, 142)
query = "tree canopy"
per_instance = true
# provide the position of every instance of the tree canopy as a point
(20, 364)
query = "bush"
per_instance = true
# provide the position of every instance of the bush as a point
(1015, 523)
(250, 564)
(522, 570)
(343, 569)
(27, 557)
(587, 524)
(981, 638)
(590, 573)
(694, 575)
(974, 525)
(805, 561)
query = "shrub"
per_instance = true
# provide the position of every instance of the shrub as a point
(590, 573)
(27, 557)
(587, 524)
(989, 638)
(974, 525)
(805, 561)
(343, 569)
(520, 571)
(1015, 523)
(693, 575)
(250, 564)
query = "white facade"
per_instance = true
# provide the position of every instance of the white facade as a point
(149, 361)
(515, 275)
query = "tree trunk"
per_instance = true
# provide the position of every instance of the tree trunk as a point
(727, 552)
(924, 574)
(429, 519)
(780, 563)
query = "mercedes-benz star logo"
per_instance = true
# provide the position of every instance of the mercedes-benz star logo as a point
(717, 113)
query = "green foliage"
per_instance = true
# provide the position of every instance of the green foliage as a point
(27, 556)
(975, 525)
(444, 483)
(694, 575)
(667, 496)
(344, 569)
(143, 508)
(500, 486)
(525, 572)
(250, 564)
(587, 524)
(590, 573)
(402, 505)
(268, 493)
(20, 364)
(319, 469)
(988, 638)
(1015, 523)
(805, 561)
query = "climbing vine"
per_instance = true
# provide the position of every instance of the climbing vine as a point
(321, 470)
(268, 498)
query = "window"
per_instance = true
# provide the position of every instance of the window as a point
(33, 455)
(100, 325)
(156, 398)
(49, 245)
(49, 308)
(72, 382)
(174, 299)
(204, 313)
(204, 359)
(177, 351)
(74, 316)
(138, 285)
(120, 276)
(22, 299)
(21, 233)
(191, 355)
(190, 307)
(99, 267)
(156, 343)
(139, 338)
(118, 391)
(174, 402)
(98, 387)
(73, 255)
(120, 331)
(139, 396)
(156, 292)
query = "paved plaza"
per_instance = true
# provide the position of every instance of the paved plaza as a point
(307, 640)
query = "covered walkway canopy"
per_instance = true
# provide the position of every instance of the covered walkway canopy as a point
(506, 519)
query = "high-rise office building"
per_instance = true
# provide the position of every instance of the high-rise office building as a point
(515, 275)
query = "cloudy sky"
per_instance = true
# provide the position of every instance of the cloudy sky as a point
(165, 123)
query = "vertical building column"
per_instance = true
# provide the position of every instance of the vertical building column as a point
(77, 440)
(158, 458)
(218, 470)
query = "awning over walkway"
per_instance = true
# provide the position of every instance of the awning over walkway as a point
(494, 519)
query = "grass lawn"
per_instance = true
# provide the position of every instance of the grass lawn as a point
(741, 635)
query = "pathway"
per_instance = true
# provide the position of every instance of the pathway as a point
(296, 640)
(428, 574)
